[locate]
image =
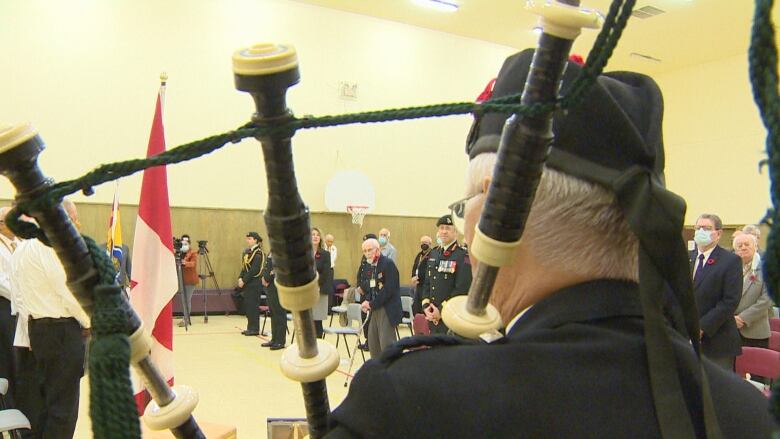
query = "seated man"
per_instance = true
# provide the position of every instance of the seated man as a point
(575, 361)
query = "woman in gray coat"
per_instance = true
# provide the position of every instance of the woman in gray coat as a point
(752, 314)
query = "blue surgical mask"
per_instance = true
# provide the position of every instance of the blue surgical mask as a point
(382, 241)
(703, 237)
(439, 241)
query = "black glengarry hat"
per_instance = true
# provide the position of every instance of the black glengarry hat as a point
(617, 126)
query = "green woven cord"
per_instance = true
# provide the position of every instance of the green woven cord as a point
(111, 404)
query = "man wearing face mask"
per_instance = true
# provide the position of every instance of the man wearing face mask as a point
(448, 274)
(189, 269)
(387, 248)
(717, 285)
(419, 271)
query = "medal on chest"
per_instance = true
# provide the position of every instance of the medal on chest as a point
(447, 266)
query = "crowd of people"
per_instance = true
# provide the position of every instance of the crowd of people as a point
(596, 340)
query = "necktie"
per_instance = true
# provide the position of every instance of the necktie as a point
(699, 268)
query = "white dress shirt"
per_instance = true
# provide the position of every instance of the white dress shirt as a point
(333, 253)
(6, 250)
(40, 280)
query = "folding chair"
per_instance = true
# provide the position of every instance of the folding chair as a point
(346, 300)
(758, 361)
(774, 341)
(265, 311)
(354, 327)
(406, 308)
(11, 420)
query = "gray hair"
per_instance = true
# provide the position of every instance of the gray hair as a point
(566, 211)
(752, 229)
(714, 218)
(372, 243)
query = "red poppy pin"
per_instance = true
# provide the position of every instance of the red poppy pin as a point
(317, 255)
(710, 261)
(753, 277)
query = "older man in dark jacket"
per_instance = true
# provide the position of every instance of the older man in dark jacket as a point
(383, 299)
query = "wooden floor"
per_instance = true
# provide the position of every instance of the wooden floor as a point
(239, 382)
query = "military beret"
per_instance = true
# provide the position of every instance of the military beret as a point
(445, 220)
(254, 235)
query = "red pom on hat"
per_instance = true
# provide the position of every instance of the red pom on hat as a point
(577, 59)
(487, 93)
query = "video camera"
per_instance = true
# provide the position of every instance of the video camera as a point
(177, 247)
(202, 249)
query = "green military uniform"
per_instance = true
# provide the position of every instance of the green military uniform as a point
(448, 274)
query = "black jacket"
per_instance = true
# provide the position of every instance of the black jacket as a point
(252, 268)
(448, 274)
(322, 262)
(718, 291)
(573, 366)
(386, 292)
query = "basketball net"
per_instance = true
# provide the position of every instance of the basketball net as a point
(358, 213)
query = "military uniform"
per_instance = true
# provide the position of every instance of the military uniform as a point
(448, 274)
(254, 262)
(420, 269)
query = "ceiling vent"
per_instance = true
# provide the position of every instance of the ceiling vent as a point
(646, 12)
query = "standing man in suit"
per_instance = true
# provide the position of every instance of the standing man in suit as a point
(717, 286)
(383, 299)
(249, 282)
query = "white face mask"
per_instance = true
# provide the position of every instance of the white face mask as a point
(185, 247)
(703, 237)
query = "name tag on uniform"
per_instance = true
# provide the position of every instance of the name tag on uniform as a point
(372, 284)
(447, 266)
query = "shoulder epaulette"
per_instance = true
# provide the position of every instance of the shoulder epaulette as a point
(425, 342)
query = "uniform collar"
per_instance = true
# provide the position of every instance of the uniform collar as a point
(583, 302)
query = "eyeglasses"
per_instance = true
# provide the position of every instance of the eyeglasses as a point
(458, 212)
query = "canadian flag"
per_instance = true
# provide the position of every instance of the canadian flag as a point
(154, 281)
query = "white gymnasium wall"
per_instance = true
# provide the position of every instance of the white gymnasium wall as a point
(714, 141)
(85, 73)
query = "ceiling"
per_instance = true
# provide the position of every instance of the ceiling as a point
(689, 32)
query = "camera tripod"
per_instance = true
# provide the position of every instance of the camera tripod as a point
(206, 271)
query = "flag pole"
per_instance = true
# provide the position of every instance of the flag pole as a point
(163, 85)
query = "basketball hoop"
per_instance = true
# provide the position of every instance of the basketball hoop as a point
(358, 213)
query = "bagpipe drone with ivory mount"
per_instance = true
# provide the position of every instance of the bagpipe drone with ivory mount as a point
(266, 71)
